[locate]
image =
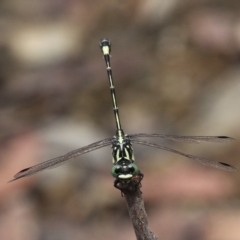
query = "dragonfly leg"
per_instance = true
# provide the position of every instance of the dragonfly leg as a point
(130, 185)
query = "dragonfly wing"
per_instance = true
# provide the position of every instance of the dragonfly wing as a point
(62, 159)
(186, 139)
(204, 161)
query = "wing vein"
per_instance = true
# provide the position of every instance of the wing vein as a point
(204, 161)
(62, 159)
(185, 139)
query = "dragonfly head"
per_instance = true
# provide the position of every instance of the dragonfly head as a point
(124, 170)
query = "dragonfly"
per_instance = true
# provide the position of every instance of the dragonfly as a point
(124, 168)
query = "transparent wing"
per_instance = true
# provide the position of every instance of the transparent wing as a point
(62, 159)
(204, 161)
(185, 139)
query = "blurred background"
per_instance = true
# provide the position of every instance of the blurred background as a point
(176, 67)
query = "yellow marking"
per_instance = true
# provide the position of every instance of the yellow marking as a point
(118, 155)
(106, 50)
(125, 176)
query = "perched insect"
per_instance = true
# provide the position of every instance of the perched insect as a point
(124, 169)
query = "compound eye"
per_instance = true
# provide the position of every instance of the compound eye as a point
(133, 169)
(116, 170)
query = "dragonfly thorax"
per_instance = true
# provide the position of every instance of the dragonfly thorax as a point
(124, 167)
(122, 149)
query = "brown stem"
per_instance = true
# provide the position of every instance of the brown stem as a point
(136, 210)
